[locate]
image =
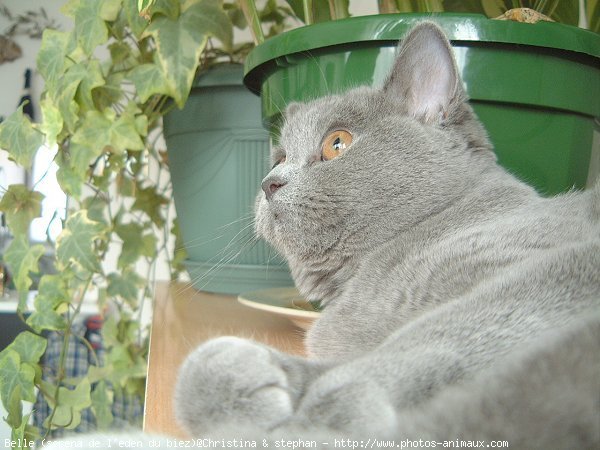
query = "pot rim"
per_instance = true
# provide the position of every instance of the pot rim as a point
(387, 29)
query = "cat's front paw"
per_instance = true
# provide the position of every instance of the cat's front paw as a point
(231, 380)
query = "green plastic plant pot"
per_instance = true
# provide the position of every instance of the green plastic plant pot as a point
(536, 87)
(218, 155)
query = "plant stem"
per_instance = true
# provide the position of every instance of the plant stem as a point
(337, 9)
(386, 6)
(251, 15)
(308, 11)
(60, 375)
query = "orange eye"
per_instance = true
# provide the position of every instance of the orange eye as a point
(335, 144)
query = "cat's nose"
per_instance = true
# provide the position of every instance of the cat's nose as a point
(272, 184)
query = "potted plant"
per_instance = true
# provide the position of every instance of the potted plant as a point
(108, 82)
(542, 127)
(218, 154)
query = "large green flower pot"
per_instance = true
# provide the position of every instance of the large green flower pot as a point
(535, 87)
(218, 154)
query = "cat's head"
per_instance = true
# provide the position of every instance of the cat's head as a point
(353, 170)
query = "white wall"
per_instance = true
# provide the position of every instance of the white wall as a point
(11, 73)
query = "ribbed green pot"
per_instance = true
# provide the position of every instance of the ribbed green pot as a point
(218, 154)
(536, 87)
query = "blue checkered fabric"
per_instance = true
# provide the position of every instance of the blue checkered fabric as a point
(126, 409)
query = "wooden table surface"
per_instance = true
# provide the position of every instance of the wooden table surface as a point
(182, 319)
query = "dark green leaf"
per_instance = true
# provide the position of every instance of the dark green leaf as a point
(126, 286)
(136, 243)
(152, 203)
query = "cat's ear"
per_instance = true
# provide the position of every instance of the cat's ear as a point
(291, 108)
(424, 77)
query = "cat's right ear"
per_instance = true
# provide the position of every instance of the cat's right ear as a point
(424, 77)
(291, 108)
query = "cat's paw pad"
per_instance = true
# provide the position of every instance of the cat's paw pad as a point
(231, 380)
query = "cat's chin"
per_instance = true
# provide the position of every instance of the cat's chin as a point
(269, 224)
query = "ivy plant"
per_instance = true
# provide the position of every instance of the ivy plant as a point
(108, 82)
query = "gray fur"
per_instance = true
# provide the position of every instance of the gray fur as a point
(434, 265)
(458, 302)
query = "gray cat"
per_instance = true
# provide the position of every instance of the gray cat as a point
(459, 304)
(434, 264)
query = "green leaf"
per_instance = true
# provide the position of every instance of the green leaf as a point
(144, 4)
(25, 434)
(124, 366)
(70, 181)
(52, 57)
(110, 332)
(93, 78)
(135, 243)
(169, 8)
(110, 9)
(102, 400)
(126, 285)
(97, 373)
(89, 26)
(109, 94)
(75, 244)
(593, 15)
(64, 95)
(137, 23)
(52, 294)
(29, 346)
(125, 184)
(20, 207)
(15, 375)
(22, 259)
(70, 404)
(180, 253)
(320, 10)
(15, 409)
(465, 6)
(180, 42)
(125, 134)
(46, 319)
(152, 203)
(149, 80)
(102, 130)
(68, 9)
(20, 138)
(122, 55)
(562, 11)
(52, 124)
(96, 207)
(83, 155)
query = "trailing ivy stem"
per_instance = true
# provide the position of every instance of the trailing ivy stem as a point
(60, 375)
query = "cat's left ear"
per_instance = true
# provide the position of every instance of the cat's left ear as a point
(424, 77)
